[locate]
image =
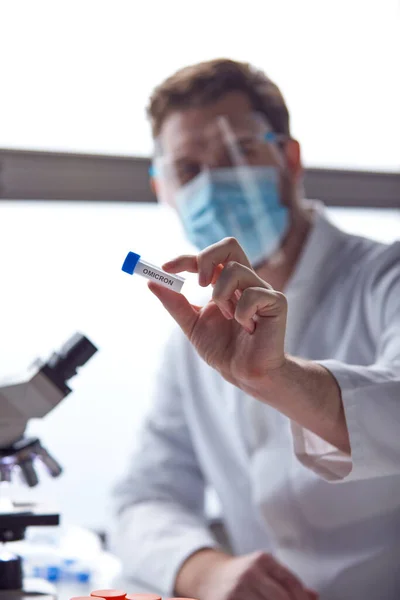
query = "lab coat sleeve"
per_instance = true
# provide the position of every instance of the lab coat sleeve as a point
(371, 401)
(160, 503)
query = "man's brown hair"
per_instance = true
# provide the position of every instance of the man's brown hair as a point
(205, 82)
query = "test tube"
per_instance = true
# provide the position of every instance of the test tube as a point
(133, 263)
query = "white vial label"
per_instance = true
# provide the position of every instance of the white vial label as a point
(173, 282)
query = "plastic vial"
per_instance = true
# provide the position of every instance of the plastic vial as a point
(134, 264)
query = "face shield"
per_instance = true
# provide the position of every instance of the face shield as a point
(225, 179)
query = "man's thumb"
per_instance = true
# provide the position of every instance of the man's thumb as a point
(177, 306)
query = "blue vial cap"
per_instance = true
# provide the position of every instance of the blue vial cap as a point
(130, 262)
(83, 576)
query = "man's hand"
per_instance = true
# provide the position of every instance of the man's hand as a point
(241, 331)
(212, 575)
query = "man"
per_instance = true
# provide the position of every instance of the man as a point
(283, 392)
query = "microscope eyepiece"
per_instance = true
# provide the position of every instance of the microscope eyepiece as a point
(63, 365)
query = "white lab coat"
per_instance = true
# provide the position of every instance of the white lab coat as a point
(333, 520)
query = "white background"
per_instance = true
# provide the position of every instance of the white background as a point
(76, 74)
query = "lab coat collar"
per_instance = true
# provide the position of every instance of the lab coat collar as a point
(323, 240)
(312, 277)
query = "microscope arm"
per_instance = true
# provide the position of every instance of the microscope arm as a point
(33, 396)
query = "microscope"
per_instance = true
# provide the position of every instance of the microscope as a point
(30, 396)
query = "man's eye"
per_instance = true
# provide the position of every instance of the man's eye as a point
(187, 172)
(247, 148)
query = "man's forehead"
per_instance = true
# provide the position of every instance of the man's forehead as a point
(181, 133)
(182, 136)
(190, 126)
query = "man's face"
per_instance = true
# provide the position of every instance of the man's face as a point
(223, 134)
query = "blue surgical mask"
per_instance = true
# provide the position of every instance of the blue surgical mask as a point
(242, 202)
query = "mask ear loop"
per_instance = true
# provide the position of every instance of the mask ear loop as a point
(153, 179)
